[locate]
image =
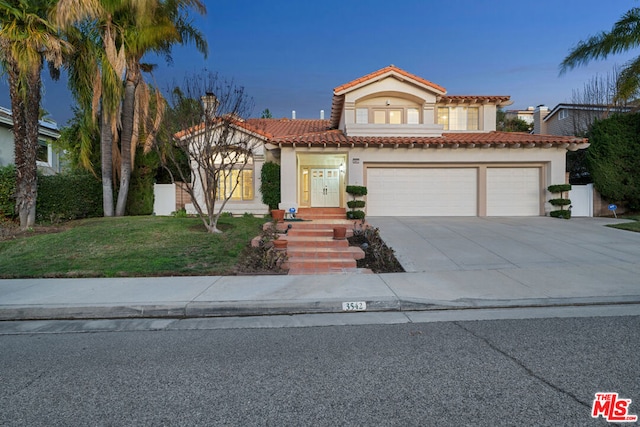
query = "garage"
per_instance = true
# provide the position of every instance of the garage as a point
(453, 191)
(513, 191)
(422, 191)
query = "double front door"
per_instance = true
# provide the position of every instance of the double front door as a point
(325, 188)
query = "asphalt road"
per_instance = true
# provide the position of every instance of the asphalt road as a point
(541, 372)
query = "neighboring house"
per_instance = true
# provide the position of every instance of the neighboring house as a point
(418, 150)
(571, 119)
(47, 157)
(524, 115)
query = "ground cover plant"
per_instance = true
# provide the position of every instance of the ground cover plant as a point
(128, 247)
(377, 255)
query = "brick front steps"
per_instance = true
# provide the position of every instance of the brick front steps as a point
(311, 248)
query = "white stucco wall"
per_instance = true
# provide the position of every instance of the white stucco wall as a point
(552, 161)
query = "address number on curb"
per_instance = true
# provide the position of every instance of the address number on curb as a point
(354, 306)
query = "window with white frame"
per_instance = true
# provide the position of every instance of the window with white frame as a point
(362, 116)
(413, 116)
(563, 114)
(459, 118)
(443, 117)
(473, 118)
(242, 191)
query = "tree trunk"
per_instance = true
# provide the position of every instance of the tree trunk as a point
(106, 140)
(125, 143)
(25, 106)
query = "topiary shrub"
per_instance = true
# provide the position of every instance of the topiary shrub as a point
(353, 204)
(560, 201)
(7, 192)
(356, 190)
(270, 185)
(355, 214)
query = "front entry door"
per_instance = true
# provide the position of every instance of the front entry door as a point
(325, 188)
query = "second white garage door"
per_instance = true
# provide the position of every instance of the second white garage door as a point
(422, 191)
(513, 191)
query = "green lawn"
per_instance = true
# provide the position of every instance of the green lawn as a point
(631, 226)
(130, 246)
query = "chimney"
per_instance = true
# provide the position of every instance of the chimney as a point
(293, 114)
(539, 126)
(209, 104)
(321, 114)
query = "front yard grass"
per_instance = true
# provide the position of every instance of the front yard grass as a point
(631, 226)
(130, 247)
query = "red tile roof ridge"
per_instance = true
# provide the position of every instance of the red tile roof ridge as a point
(388, 69)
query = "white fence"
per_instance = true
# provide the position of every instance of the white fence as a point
(164, 202)
(581, 200)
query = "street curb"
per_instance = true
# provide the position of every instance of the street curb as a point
(272, 308)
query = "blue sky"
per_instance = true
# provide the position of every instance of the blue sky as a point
(290, 55)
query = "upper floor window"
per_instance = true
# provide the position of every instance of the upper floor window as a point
(459, 118)
(392, 116)
(563, 114)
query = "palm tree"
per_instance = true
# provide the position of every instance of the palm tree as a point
(27, 40)
(161, 26)
(624, 35)
(126, 30)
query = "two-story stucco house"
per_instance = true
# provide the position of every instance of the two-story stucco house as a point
(48, 158)
(419, 151)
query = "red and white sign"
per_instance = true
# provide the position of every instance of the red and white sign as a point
(612, 408)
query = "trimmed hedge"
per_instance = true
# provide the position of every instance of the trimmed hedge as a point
(560, 202)
(560, 214)
(357, 190)
(353, 204)
(559, 188)
(7, 192)
(355, 214)
(270, 184)
(68, 196)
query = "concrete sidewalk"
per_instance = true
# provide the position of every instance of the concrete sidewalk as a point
(183, 297)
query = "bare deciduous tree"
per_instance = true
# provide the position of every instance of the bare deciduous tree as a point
(215, 140)
(596, 100)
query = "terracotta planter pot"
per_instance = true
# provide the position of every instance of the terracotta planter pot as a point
(339, 233)
(277, 215)
(280, 244)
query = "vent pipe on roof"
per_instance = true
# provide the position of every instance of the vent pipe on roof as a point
(293, 114)
(321, 114)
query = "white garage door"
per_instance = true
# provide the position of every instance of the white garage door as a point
(422, 191)
(513, 191)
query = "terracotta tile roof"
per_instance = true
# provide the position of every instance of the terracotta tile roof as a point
(385, 70)
(468, 139)
(278, 128)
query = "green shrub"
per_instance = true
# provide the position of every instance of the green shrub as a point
(68, 196)
(7, 192)
(560, 214)
(355, 214)
(613, 158)
(353, 204)
(560, 202)
(356, 190)
(270, 184)
(140, 198)
(559, 188)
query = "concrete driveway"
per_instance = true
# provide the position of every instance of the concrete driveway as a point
(432, 244)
